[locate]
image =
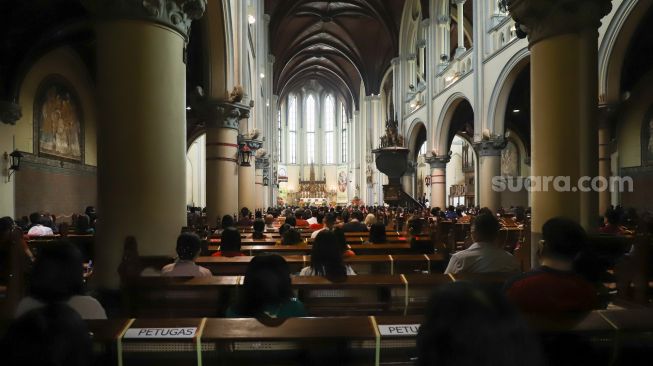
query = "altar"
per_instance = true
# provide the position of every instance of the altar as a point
(312, 192)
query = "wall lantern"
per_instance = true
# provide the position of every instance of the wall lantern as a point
(245, 155)
(15, 162)
(266, 181)
(427, 180)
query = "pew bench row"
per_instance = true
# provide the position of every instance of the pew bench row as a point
(616, 336)
(165, 297)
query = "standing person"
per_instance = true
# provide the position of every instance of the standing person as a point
(266, 291)
(188, 248)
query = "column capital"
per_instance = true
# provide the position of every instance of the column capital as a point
(490, 147)
(175, 14)
(438, 162)
(221, 114)
(421, 43)
(251, 143)
(545, 19)
(395, 61)
(262, 163)
(10, 112)
(459, 2)
(443, 19)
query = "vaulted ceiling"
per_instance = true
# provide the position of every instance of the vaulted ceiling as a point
(338, 44)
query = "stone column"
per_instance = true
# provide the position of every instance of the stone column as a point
(222, 120)
(438, 180)
(563, 40)
(489, 156)
(247, 175)
(605, 115)
(141, 78)
(444, 29)
(461, 27)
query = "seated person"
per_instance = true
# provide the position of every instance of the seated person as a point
(355, 225)
(370, 220)
(291, 237)
(37, 228)
(83, 225)
(54, 334)
(259, 229)
(266, 291)
(465, 324)
(484, 255)
(311, 218)
(58, 277)
(227, 221)
(611, 223)
(451, 213)
(327, 259)
(328, 222)
(377, 234)
(269, 223)
(300, 219)
(188, 248)
(555, 287)
(341, 240)
(319, 222)
(245, 219)
(290, 221)
(229, 244)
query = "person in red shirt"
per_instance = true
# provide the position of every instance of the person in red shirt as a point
(319, 225)
(230, 244)
(555, 288)
(611, 223)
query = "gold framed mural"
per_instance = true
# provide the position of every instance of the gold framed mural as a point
(58, 125)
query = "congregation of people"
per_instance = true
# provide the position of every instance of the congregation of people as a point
(567, 282)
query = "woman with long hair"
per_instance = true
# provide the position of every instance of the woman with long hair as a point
(266, 291)
(327, 259)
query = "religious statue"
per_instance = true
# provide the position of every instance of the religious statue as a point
(236, 94)
(392, 137)
(370, 176)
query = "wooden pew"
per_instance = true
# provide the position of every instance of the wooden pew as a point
(363, 264)
(618, 337)
(359, 249)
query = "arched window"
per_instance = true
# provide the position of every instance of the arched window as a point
(310, 129)
(292, 129)
(344, 146)
(329, 127)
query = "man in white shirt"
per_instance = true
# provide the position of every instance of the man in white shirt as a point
(312, 220)
(329, 220)
(484, 256)
(188, 248)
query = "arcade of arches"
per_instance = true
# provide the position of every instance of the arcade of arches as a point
(148, 108)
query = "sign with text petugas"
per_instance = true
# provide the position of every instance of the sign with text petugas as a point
(158, 333)
(402, 330)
